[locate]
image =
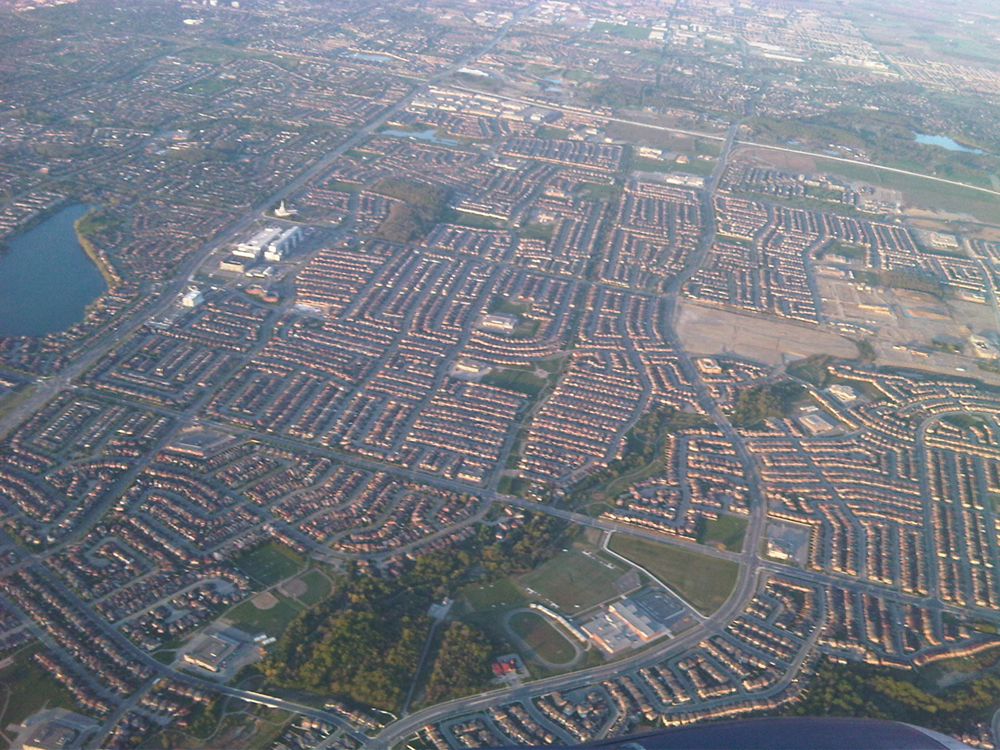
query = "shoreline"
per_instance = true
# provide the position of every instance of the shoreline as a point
(94, 255)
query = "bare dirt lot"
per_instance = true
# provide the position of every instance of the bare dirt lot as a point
(707, 330)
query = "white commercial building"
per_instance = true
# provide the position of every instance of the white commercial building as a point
(253, 247)
(192, 298)
(284, 242)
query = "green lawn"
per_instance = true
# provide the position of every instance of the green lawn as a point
(594, 191)
(208, 87)
(318, 588)
(465, 219)
(500, 595)
(542, 638)
(573, 580)
(616, 29)
(642, 164)
(725, 532)
(705, 582)
(272, 621)
(28, 688)
(538, 231)
(521, 381)
(344, 187)
(504, 305)
(269, 563)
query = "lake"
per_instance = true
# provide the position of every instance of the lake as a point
(46, 279)
(789, 733)
(945, 142)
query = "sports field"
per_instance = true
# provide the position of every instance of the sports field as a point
(542, 637)
(269, 563)
(574, 580)
(704, 582)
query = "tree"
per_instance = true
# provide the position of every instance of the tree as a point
(462, 666)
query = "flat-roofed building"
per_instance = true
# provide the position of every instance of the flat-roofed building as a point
(253, 247)
(499, 322)
(211, 653)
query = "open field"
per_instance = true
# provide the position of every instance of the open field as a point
(542, 637)
(704, 582)
(27, 688)
(269, 563)
(725, 532)
(708, 330)
(521, 381)
(574, 580)
(273, 621)
(502, 594)
(317, 588)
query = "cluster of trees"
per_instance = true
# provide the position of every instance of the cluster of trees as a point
(462, 666)
(364, 642)
(896, 279)
(866, 691)
(764, 402)
(540, 538)
(813, 369)
(358, 646)
(643, 445)
(422, 206)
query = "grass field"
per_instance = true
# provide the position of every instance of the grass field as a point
(705, 582)
(593, 191)
(573, 580)
(500, 595)
(922, 192)
(272, 621)
(509, 485)
(318, 588)
(725, 532)
(617, 29)
(516, 380)
(208, 87)
(269, 563)
(28, 688)
(504, 305)
(465, 219)
(542, 637)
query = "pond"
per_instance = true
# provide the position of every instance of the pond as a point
(46, 279)
(945, 142)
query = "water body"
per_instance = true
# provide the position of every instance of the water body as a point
(426, 135)
(46, 279)
(370, 57)
(792, 733)
(945, 142)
